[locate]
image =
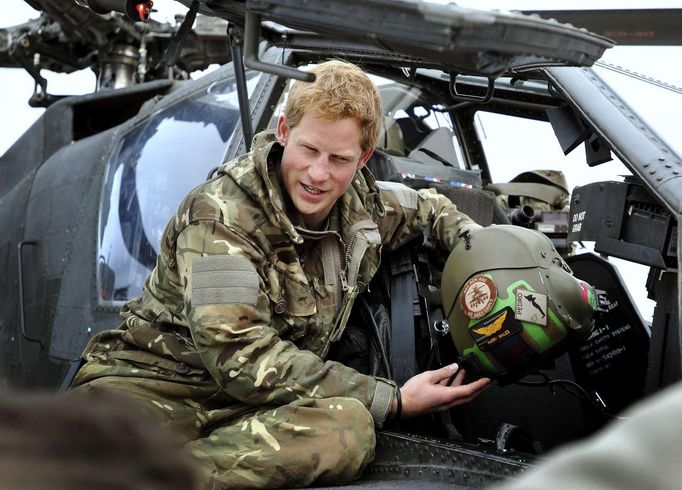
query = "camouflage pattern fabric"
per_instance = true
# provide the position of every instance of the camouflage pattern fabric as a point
(326, 441)
(228, 340)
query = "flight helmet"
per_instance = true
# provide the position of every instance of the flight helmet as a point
(511, 301)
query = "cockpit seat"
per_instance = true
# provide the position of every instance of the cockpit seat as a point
(437, 148)
(391, 138)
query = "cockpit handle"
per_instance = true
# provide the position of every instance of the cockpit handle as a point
(251, 39)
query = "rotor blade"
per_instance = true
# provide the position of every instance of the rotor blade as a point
(633, 27)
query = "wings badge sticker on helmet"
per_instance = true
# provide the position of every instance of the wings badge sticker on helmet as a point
(478, 297)
(495, 329)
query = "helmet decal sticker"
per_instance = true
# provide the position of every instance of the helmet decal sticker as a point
(587, 294)
(531, 307)
(495, 329)
(514, 354)
(478, 297)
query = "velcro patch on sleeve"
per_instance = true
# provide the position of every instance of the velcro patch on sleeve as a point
(223, 279)
(407, 197)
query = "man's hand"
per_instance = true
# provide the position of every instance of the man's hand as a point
(429, 391)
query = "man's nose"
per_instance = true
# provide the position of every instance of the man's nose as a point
(318, 171)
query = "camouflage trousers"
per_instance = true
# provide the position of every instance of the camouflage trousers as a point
(321, 441)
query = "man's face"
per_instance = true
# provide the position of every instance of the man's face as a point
(319, 162)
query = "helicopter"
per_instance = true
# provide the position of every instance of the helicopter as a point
(88, 189)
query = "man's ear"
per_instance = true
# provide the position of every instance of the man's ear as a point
(364, 158)
(282, 130)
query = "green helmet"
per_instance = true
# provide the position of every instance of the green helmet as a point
(511, 301)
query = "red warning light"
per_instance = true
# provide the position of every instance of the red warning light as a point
(143, 10)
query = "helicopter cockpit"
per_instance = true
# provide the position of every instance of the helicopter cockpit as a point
(153, 166)
(90, 187)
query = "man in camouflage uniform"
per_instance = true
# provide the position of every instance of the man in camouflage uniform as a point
(256, 276)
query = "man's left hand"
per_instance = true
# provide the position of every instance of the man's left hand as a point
(431, 391)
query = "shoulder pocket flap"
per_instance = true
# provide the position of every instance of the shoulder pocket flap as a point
(224, 279)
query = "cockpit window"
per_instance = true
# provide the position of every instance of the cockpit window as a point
(415, 125)
(156, 164)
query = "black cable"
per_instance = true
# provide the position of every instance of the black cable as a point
(377, 338)
(552, 382)
(581, 392)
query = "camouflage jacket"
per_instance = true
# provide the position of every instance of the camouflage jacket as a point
(243, 291)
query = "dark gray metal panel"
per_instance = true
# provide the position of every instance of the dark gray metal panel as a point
(12, 214)
(426, 462)
(613, 361)
(62, 217)
(24, 156)
(649, 158)
(392, 485)
(471, 41)
(665, 366)
(679, 288)
(642, 27)
(58, 125)
(440, 32)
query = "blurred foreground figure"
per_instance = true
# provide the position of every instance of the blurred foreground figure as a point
(86, 441)
(643, 451)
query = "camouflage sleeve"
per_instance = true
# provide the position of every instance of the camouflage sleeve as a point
(226, 280)
(409, 212)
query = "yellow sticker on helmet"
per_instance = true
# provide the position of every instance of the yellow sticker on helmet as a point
(493, 330)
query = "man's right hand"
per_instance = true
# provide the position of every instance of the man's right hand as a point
(430, 391)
